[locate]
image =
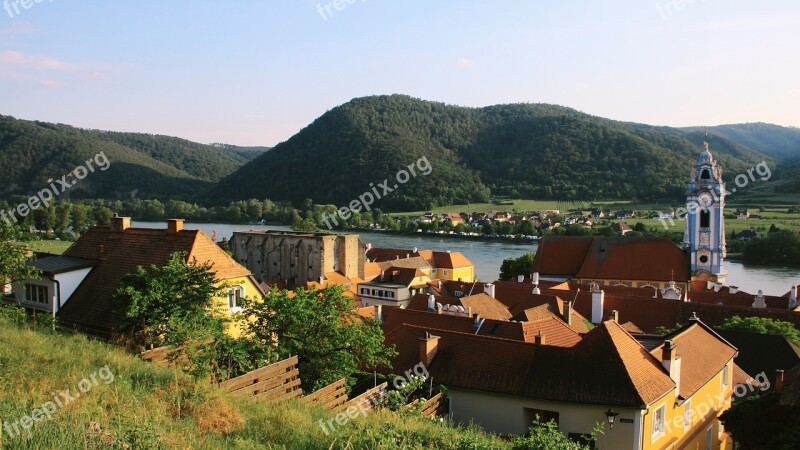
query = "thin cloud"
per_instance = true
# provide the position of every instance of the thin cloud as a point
(18, 28)
(465, 62)
(51, 72)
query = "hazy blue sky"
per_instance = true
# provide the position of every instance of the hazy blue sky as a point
(254, 73)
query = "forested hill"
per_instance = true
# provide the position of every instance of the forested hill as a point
(774, 140)
(142, 165)
(520, 150)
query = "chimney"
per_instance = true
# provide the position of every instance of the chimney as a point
(672, 362)
(598, 301)
(615, 316)
(468, 311)
(540, 338)
(431, 302)
(428, 346)
(120, 223)
(415, 250)
(174, 226)
(489, 289)
(733, 289)
(378, 312)
(778, 379)
(408, 255)
(520, 278)
(476, 319)
(568, 313)
(793, 297)
(439, 308)
(535, 278)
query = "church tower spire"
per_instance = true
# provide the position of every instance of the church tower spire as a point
(704, 234)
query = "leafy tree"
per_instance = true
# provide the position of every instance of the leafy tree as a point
(174, 305)
(512, 267)
(323, 329)
(762, 325)
(13, 257)
(778, 247)
(546, 436)
(161, 305)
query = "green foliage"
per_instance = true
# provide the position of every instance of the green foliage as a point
(777, 247)
(546, 436)
(760, 422)
(762, 325)
(323, 329)
(666, 330)
(13, 258)
(511, 267)
(520, 151)
(143, 165)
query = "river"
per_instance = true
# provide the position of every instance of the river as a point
(488, 255)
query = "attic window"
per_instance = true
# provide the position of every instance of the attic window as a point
(494, 328)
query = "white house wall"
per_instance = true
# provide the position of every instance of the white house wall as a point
(504, 414)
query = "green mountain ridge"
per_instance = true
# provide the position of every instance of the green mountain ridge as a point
(143, 165)
(536, 151)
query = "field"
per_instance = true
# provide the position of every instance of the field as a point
(54, 247)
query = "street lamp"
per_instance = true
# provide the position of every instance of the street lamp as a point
(611, 416)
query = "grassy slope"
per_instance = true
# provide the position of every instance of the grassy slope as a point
(148, 406)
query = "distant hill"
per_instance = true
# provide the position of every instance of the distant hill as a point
(248, 153)
(142, 165)
(519, 150)
(773, 140)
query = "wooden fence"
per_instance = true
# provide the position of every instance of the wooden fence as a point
(157, 355)
(330, 397)
(273, 383)
(434, 406)
(367, 400)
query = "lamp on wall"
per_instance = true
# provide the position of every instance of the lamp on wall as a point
(610, 417)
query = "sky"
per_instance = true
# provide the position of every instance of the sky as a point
(256, 72)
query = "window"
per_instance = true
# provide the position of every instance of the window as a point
(542, 415)
(658, 422)
(433, 271)
(36, 294)
(235, 296)
(705, 219)
(725, 376)
(687, 414)
(364, 291)
(445, 273)
(705, 174)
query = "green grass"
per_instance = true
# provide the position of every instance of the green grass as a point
(148, 406)
(54, 247)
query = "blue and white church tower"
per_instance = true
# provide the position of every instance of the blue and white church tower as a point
(704, 235)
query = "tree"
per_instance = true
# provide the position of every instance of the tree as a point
(546, 436)
(512, 267)
(762, 325)
(161, 304)
(323, 329)
(13, 257)
(174, 305)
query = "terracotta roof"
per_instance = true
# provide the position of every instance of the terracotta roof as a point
(486, 306)
(376, 254)
(607, 367)
(635, 259)
(611, 258)
(554, 330)
(703, 355)
(120, 253)
(413, 262)
(371, 270)
(763, 352)
(397, 317)
(451, 260)
(561, 255)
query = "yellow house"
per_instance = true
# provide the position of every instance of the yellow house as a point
(667, 397)
(438, 265)
(105, 254)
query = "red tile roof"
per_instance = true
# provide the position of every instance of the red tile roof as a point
(607, 367)
(121, 253)
(611, 258)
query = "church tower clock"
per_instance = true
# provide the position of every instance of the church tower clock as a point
(704, 235)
